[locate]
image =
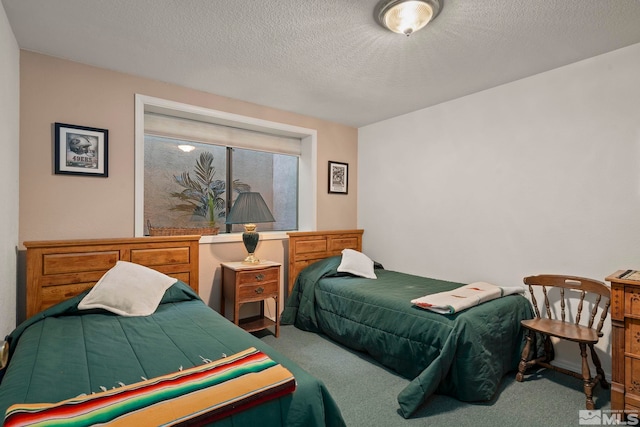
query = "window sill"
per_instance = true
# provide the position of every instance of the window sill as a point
(237, 237)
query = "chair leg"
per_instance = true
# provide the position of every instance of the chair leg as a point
(586, 376)
(599, 370)
(549, 352)
(524, 358)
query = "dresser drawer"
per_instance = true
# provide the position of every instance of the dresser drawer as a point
(257, 291)
(632, 381)
(631, 301)
(632, 337)
(258, 276)
(630, 409)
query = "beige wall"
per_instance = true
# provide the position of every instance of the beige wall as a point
(68, 207)
(9, 137)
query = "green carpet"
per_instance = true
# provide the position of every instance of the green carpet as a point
(366, 392)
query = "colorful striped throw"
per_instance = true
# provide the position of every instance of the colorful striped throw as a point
(193, 396)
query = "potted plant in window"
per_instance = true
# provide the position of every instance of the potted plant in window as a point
(201, 196)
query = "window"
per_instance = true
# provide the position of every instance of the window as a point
(179, 147)
(186, 183)
(275, 177)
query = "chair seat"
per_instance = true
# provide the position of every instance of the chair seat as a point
(560, 329)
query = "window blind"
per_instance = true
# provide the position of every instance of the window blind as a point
(212, 133)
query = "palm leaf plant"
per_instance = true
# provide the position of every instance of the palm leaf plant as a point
(202, 194)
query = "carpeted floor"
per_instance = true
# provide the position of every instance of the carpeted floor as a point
(366, 392)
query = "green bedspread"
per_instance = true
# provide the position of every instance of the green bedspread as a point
(464, 355)
(62, 353)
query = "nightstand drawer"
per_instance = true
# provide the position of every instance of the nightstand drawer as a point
(257, 291)
(258, 276)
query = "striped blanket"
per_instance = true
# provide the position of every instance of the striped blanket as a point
(202, 394)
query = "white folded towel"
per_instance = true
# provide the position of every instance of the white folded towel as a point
(464, 297)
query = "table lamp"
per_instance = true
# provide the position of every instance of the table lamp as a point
(248, 210)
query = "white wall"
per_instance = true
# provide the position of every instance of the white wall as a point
(9, 143)
(537, 176)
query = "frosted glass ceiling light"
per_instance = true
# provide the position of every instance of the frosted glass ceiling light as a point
(406, 16)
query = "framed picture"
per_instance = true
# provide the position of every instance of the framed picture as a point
(338, 177)
(81, 150)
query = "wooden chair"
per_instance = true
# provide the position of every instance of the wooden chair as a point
(584, 335)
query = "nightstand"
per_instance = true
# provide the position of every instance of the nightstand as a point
(243, 283)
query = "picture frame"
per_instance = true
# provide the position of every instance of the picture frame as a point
(81, 150)
(338, 177)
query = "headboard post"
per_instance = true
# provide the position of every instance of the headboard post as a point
(307, 247)
(60, 269)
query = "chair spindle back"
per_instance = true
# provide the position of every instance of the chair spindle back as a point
(581, 284)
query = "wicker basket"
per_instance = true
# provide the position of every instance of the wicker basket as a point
(181, 231)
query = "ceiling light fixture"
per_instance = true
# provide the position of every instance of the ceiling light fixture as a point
(406, 16)
(186, 148)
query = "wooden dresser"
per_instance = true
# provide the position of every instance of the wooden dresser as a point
(625, 343)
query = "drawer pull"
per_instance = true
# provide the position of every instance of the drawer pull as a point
(259, 290)
(259, 277)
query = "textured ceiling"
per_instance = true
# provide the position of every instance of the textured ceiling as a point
(325, 58)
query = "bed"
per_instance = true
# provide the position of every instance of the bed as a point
(181, 353)
(463, 355)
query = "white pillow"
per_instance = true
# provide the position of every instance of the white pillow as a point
(357, 263)
(128, 289)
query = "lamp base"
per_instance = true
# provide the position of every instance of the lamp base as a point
(250, 239)
(251, 259)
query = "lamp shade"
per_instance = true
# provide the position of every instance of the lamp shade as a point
(249, 208)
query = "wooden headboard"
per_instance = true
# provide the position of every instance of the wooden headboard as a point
(307, 247)
(60, 269)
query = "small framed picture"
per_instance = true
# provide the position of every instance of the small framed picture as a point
(81, 150)
(338, 177)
